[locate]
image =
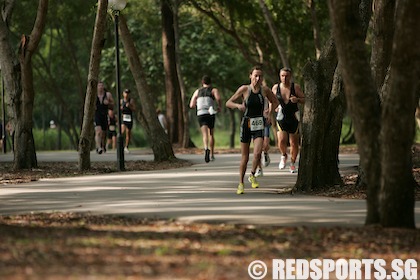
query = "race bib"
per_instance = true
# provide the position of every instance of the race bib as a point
(112, 128)
(126, 118)
(256, 123)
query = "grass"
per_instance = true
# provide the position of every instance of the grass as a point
(48, 139)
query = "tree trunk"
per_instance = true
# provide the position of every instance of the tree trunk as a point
(382, 133)
(23, 101)
(382, 36)
(86, 135)
(399, 104)
(161, 146)
(173, 94)
(321, 123)
(185, 143)
(274, 33)
(315, 28)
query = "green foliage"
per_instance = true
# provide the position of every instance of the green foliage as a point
(48, 140)
(62, 60)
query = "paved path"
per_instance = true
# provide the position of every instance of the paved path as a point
(202, 192)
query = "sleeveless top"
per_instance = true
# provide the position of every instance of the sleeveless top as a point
(205, 100)
(127, 111)
(290, 108)
(101, 108)
(112, 122)
(254, 104)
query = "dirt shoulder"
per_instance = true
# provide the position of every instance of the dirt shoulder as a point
(75, 246)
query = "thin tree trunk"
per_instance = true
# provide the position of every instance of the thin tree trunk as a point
(382, 37)
(315, 28)
(159, 141)
(173, 95)
(185, 143)
(86, 135)
(274, 33)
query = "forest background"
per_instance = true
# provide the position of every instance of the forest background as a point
(367, 65)
(62, 59)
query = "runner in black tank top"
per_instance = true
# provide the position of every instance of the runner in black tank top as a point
(252, 124)
(112, 130)
(127, 107)
(104, 101)
(289, 95)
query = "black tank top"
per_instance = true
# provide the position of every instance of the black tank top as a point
(101, 108)
(254, 104)
(125, 109)
(112, 121)
(290, 108)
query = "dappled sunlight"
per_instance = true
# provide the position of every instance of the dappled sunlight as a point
(201, 192)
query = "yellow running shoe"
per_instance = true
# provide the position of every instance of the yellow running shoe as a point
(253, 180)
(240, 189)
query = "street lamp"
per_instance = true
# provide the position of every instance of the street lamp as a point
(116, 6)
(4, 115)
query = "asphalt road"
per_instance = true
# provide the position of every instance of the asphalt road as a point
(204, 192)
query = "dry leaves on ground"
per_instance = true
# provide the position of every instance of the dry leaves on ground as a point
(75, 246)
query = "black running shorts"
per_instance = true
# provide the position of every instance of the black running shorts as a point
(246, 134)
(206, 119)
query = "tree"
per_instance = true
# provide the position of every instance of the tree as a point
(174, 103)
(159, 140)
(186, 141)
(321, 123)
(18, 75)
(384, 128)
(322, 118)
(63, 89)
(85, 143)
(269, 19)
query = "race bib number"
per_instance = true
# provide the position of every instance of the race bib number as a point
(112, 128)
(126, 118)
(256, 123)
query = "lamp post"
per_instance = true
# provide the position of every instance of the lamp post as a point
(3, 106)
(116, 6)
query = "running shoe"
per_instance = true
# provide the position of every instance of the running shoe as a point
(282, 163)
(240, 189)
(99, 150)
(259, 173)
(126, 150)
(292, 168)
(253, 181)
(263, 160)
(266, 159)
(212, 158)
(207, 155)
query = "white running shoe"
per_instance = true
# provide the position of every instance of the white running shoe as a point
(259, 173)
(126, 150)
(282, 163)
(292, 168)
